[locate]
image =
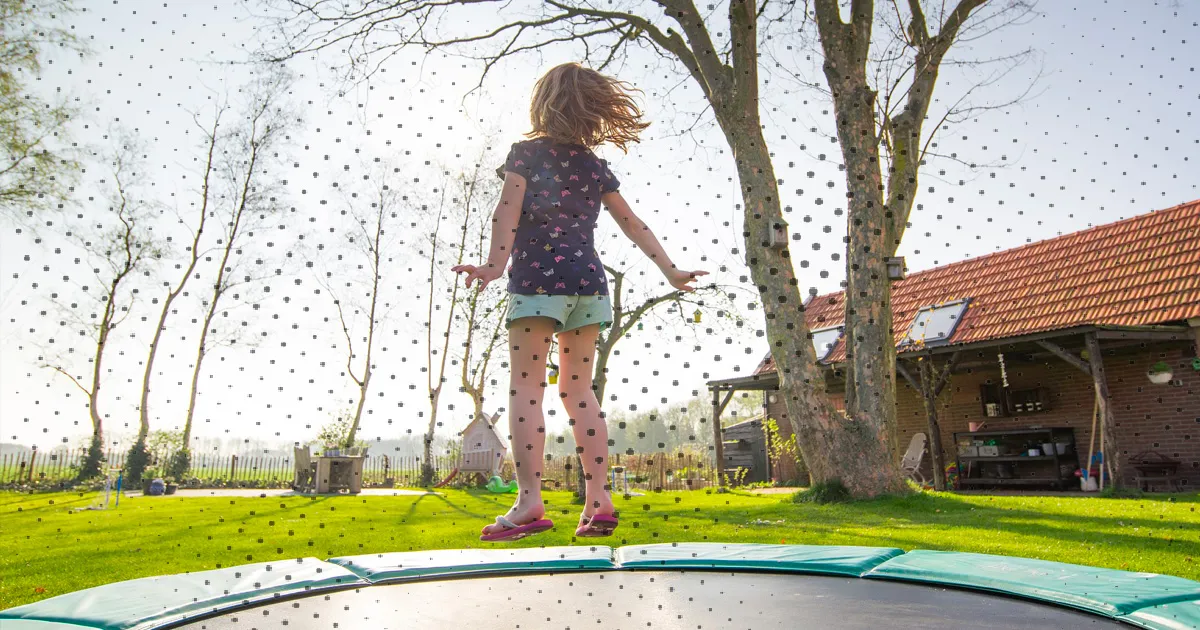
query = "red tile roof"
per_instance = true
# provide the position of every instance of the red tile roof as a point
(1139, 271)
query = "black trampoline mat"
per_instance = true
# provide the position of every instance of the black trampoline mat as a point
(676, 600)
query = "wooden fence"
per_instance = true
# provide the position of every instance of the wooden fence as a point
(645, 472)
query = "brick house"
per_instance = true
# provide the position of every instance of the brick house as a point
(1058, 334)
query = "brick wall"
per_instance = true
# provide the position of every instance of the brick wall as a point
(1165, 418)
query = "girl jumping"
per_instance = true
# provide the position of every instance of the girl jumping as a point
(543, 226)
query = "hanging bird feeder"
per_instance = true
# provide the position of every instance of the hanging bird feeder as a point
(696, 316)
(553, 377)
(639, 325)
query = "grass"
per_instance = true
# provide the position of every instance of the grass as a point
(46, 550)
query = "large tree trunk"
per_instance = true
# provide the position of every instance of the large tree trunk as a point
(853, 449)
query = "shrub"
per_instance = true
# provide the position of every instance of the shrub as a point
(824, 493)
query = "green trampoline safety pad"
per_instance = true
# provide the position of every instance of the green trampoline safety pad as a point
(418, 564)
(1107, 592)
(30, 624)
(151, 602)
(831, 560)
(1173, 616)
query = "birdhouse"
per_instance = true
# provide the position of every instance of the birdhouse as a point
(777, 236)
(639, 325)
(696, 316)
(896, 269)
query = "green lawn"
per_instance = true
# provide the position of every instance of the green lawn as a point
(46, 550)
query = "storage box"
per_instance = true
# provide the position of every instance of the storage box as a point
(968, 450)
(989, 451)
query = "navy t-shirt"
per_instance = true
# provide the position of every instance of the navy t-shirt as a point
(553, 252)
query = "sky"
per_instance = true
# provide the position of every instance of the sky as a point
(1107, 129)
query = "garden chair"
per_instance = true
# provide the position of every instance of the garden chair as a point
(305, 476)
(910, 465)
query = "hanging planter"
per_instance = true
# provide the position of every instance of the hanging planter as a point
(1160, 373)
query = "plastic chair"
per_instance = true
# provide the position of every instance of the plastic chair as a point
(910, 465)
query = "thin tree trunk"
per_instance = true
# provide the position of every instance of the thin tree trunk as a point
(929, 398)
(144, 428)
(219, 287)
(365, 383)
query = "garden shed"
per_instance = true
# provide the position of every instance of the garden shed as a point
(746, 448)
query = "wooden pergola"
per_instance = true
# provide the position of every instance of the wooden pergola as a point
(1067, 344)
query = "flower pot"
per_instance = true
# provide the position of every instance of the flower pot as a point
(171, 488)
(1159, 378)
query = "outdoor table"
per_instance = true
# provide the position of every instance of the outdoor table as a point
(336, 473)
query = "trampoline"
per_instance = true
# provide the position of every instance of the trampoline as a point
(674, 586)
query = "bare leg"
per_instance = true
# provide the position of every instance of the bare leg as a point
(529, 341)
(577, 352)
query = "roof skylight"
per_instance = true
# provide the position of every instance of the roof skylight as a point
(935, 324)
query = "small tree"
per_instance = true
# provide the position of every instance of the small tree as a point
(371, 240)
(124, 247)
(180, 458)
(251, 198)
(481, 314)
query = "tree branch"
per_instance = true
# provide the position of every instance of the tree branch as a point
(73, 379)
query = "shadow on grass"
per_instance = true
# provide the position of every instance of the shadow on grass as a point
(922, 512)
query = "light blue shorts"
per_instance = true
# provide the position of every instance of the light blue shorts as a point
(568, 311)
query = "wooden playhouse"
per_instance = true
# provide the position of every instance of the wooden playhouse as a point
(483, 449)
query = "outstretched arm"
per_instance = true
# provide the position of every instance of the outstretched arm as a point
(640, 234)
(505, 218)
(504, 232)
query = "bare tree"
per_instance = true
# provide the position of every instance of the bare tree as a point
(125, 246)
(879, 209)
(250, 201)
(481, 313)
(856, 447)
(139, 454)
(433, 355)
(370, 238)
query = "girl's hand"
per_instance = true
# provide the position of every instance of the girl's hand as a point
(484, 274)
(680, 278)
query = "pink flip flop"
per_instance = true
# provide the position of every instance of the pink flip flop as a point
(513, 531)
(599, 526)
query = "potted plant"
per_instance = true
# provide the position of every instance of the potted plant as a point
(1159, 373)
(171, 486)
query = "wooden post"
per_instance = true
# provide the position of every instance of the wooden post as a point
(32, 459)
(1107, 421)
(717, 445)
(718, 438)
(232, 467)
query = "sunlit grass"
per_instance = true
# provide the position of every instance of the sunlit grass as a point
(47, 550)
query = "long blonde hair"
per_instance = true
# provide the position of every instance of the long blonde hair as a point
(577, 105)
